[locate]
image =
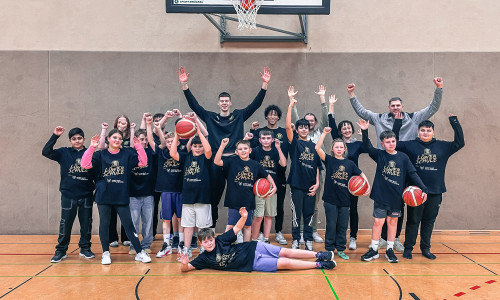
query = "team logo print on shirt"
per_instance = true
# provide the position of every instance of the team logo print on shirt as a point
(427, 157)
(279, 136)
(114, 169)
(306, 155)
(192, 169)
(224, 259)
(340, 174)
(267, 162)
(170, 163)
(391, 169)
(76, 167)
(182, 147)
(244, 175)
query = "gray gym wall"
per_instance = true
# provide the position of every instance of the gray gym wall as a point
(59, 71)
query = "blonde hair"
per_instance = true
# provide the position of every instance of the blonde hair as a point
(344, 155)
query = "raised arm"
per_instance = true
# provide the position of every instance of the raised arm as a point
(277, 145)
(459, 141)
(173, 148)
(102, 142)
(331, 117)
(358, 108)
(206, 145)
(192, 102)
(257, 101)
(433, 107)
(148, 119)
(366, 141)
(241, 222)
(48, 149)
(86, 162)
(157, 130)
(218, 156)
(193, 117)
(288, 120)
(143, 157)
(324, 107)
(320, 142)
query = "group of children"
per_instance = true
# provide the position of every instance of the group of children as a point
(134, 167)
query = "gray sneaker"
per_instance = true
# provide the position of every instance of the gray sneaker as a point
(382, 243)
(295, 244)
(187, 251)
(309, 245)
(143, 256)
(317, 238)
(261, 237)
(398, 246)
(302, 241)
(113, 244)
(352, 244)
(280, 239)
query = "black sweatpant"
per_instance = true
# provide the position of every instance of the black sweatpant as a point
(105, 214)
(424, 215)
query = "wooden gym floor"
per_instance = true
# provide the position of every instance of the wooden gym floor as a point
(467, 267)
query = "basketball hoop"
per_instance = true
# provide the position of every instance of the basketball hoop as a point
(247, 13)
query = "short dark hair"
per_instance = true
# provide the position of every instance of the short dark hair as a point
(115, 130)
(311, 114)
(426, 123)
(244, 142)
(75, 131)
(302, 122)
(205, 234)
(140, 131)
(158, 115)
(342, 123)
(196, 140)
(266, 132)
(270, 108)
(224, 94)
(395, 99)
(387, 135)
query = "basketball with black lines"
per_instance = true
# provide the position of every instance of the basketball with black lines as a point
(261, 187)
(412, 196)
(358, 186)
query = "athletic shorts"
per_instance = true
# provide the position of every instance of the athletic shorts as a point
(382, 211)
(233, 215)
(170, 203)
(266, 257)
(196, 215)
(266, 206)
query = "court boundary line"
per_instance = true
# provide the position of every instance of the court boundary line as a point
(469, 258)
(18, 286)
(138, 283)
(331, 287)
(399, 287)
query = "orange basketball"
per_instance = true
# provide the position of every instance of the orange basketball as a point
(261, 187)
(412, 196)
(185, 128)
(358, 185)
(247, 4)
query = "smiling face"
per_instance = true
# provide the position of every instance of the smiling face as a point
(208, 244)
(302, 131)
(395, 106)
(115, 141)
(224, 104)
(122, 124)
(144, 140)
(338, 149)
(312, 121)
(425, 134)
(389, 144)
(272, 118)
(197, 149)
(243, 151)
(266, 141)
(77, 141)
(346, 131)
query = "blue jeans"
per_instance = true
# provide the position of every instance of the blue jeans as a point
(337, 218)
(142, 207)
(69, 209)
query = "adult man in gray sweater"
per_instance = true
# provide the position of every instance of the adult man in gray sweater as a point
(385, 121)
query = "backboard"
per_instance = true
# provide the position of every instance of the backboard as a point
(277, 7)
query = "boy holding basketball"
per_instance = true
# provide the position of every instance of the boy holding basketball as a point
(242, 173)
(393, 168)
(271, 158)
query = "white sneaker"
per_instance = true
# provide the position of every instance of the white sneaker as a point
(398, 246)
(295, 244)
(126, 243)
(278, 237)
(302, 241)
(309, 245)
(187, 251)
(352, 244)
(261, 237)
(166, 249)
(106, 258)
(143, 256)
(382, 243)
(239, 238)
(317, 238)
(113, 244)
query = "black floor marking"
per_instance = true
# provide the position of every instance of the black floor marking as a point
(137, 285)
(25, 282)
(399, 287)
(469, 259)
(414, 296)
(74, 250)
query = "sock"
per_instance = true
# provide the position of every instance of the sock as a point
(266, 239)
(166, 238)
(374, 245)
(181, 237)
(390, 244)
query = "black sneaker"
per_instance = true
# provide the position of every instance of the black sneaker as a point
(407, 253)
(58, 256)
(175, 242)
(391, 257)
(328, 265)
(180, 246)
(86, 253)
(371, 254)
(324, 256)
(194, 243)
(427, 254)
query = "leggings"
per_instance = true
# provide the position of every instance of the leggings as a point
(126, 219)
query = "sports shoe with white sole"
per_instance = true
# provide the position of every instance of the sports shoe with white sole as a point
(106, 258)
(398, 246)
(325, 256)
(113, 244)
(58, 256)
(369, 255)
(126, 243)
(309, 245)
(86, 253)
(187, 251)
(280, 239)
(143, 256)
(295, 244)
(391, 257)
(317, 238)
(166, 249)
(261, 237)
(382, 243)
(352, 244)
(302, 241)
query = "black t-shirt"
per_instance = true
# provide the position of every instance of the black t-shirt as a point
(337, 175)
(270, 160)
(305, 164)
(354, 148)
(196, 179)
(169, 176)
(280, 134)
(227, 256)
(143, 178)
(241, 176)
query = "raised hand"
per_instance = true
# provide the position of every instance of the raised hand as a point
(94, 142)
(255, 125)
(170, 114)
(266, 76)
(351, 87)
(144, 115)
(438, 81)
(248, 136)
(321, 90)
(149, 119)
(132, 125)
(363, 124)
(136, 140)
(292, 92)
(191, 116)
(327, 130)
(332, 99)
(183, 75)
(224, 142)
(104, 125)
(157, 126)
(58, 130)
(243, 212)
(177, 112)
(452, 115)
(277, 143)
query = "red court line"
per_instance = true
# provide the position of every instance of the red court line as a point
(475, 287)
(490, 282)
(459, 294)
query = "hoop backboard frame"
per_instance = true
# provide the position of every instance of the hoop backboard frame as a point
(275, 7)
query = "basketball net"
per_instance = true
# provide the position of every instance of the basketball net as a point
(247, 13)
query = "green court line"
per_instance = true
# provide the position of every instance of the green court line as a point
(331, 287)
